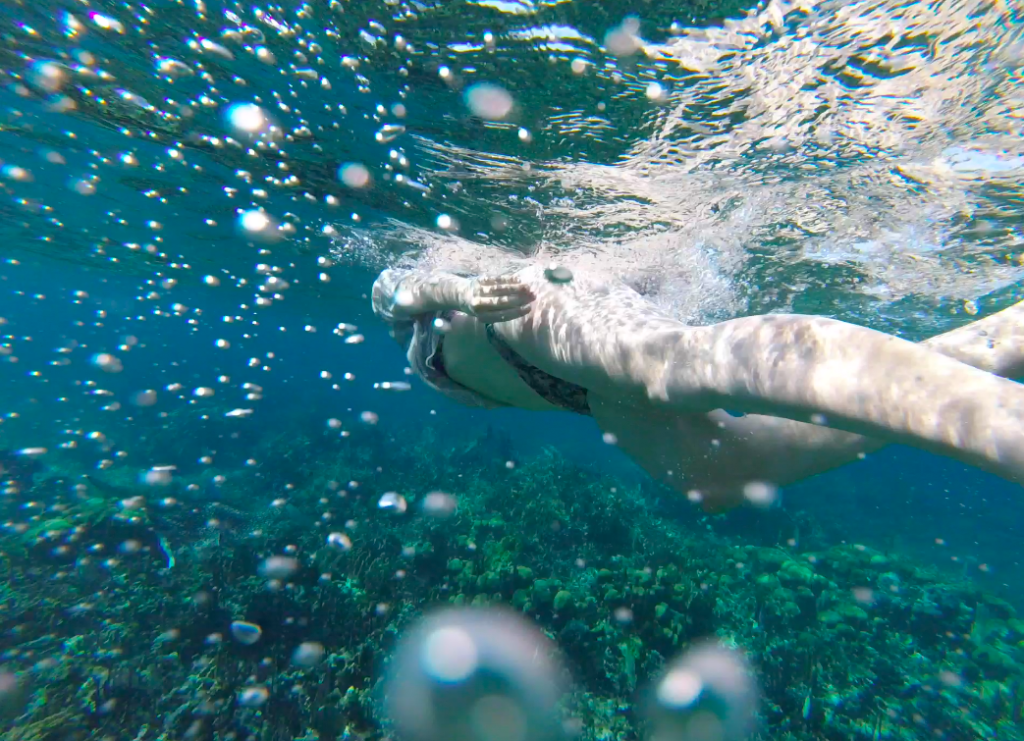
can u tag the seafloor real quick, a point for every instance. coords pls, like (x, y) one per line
(118, 596)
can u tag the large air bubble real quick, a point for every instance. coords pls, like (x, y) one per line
(707, 694)
(474, 675)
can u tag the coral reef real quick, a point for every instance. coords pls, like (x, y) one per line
(118, 598)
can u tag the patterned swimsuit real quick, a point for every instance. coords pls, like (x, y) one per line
(555, 391)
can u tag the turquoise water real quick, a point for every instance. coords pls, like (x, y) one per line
(196, 199)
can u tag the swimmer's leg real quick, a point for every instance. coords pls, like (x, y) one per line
(687, 452)
(845, 377)
(994, 344)
(711, 457)
(612, 342)
(783, 451)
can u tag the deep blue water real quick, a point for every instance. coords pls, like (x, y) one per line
(71, 209)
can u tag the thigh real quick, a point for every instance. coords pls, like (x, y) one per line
(711, 457)
(684, 451)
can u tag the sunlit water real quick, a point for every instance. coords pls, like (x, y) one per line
(197, 196)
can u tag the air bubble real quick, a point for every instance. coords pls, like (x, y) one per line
(339, 541)
(253, 697)
(308, 654)
(107, 363)
(389, 132)
(354, 175)
(707, 694)
(393, 501)
(489, 101)
(477, 675)
(279, 567)
(655, 91)
(246, 633)
(254, 221)
(761, 494)
(623, 40)
(438, 504)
